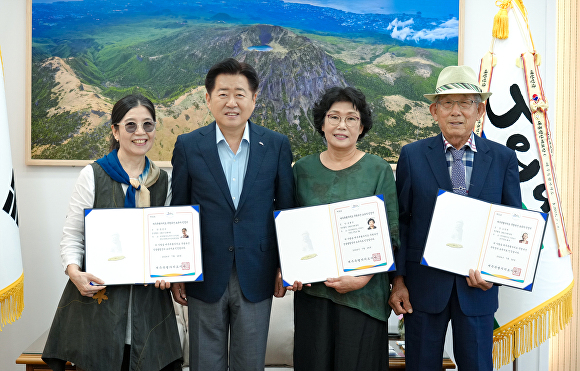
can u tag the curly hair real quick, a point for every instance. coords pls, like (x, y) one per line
(338, 94)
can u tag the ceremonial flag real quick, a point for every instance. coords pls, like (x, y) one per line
(11, 273)
(516, 116)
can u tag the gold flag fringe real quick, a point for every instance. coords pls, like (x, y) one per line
(12, 302)
(532, 328)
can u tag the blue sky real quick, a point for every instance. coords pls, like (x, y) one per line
(51, 1)
(428, 8)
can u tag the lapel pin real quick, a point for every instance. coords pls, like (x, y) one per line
(261, 143)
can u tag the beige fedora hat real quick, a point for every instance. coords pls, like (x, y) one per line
(457, 80)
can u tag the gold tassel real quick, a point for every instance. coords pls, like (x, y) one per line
(530, 329)
(500, 28)
(12, 302)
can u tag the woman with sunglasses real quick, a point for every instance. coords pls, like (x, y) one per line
(340, 324)
(122, 327)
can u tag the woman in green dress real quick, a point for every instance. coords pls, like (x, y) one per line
(341, 324)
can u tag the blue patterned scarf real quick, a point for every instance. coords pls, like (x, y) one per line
(110, 163)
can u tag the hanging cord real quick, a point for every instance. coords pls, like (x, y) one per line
(529, 41)
(524, 11)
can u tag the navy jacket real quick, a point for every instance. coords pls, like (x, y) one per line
(247, 235)
(421, 170)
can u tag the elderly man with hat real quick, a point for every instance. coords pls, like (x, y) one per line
(459, 161)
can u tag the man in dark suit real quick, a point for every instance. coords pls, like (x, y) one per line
(239, 173)
(459, 161)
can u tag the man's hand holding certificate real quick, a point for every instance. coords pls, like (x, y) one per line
(144, 244)
(343, 238)
(502, 242)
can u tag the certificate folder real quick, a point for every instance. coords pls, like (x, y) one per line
(502, 242)
(142, 245)
(343, 238)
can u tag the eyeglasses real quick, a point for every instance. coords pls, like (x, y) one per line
(463, 104)
(131, 127)
(350, 121)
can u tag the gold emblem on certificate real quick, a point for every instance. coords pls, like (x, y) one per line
(457, 235)
(115, 258)
(307, 247)
(116, 250)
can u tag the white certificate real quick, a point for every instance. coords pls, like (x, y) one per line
(142, 245)
(343, 238)
(502, 242)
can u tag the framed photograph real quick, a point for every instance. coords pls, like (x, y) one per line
(86, 55)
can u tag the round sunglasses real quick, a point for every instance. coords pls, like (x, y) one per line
(131, 127)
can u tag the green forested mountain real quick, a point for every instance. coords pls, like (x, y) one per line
(170, 61)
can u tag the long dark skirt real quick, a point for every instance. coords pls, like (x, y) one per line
(91, 333)
(333, 337)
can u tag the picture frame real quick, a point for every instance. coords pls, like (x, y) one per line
(73, 107)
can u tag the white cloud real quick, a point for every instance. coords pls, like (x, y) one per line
(396, 23)
(445, 30)
(453, 22)
(402, 34)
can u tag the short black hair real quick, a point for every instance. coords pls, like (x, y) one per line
(369, 221)
(338, 94)
(121, 108)
(230, 66)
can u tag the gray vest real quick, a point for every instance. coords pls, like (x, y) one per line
(92, 335)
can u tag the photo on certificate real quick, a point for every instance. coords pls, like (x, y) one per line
(143, 245)
(343, 238)
(502, 242)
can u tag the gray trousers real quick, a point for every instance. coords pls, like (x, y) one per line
(246, 323)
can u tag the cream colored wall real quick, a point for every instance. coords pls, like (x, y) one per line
(565, 347)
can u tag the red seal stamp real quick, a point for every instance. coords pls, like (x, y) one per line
(516, 271)
(185, 266)
(377, 257)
